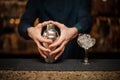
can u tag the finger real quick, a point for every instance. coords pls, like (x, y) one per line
(42, 53)
(59, 48)
(59, 54)
(41, 47)
(57, 42)
(57, 24)
(44, 40)
(45, 23)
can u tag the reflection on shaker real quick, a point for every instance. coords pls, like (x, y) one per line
(50, 33)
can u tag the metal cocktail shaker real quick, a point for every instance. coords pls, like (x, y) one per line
(50, 33)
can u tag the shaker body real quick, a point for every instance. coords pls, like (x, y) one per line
(50, 33)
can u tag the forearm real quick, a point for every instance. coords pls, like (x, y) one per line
(28, 18)
(74, 30)
(84, 18)
(84, 24)
(29, 31)
(22, 29)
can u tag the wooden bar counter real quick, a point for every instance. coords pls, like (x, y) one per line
(70, 69)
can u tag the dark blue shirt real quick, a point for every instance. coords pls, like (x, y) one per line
(72, 13)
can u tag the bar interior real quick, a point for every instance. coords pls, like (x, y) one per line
(13, 48)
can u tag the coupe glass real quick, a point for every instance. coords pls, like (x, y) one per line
(86, 42)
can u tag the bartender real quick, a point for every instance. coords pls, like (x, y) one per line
(70, 16)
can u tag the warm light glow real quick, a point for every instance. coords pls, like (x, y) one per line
(104, 0)
(17, 21)
(11, 21)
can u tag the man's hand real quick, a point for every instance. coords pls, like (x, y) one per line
(66, 35)
(35, 34)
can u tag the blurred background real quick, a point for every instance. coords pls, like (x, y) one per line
(106, 28)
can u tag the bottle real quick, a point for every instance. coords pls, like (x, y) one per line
(50, 33)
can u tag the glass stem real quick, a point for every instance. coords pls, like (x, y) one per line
(86, 57)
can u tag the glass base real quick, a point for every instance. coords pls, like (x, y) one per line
(86, 62)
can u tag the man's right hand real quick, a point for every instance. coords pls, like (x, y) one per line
(35, 34)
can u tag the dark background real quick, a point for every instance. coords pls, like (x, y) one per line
(106, 29)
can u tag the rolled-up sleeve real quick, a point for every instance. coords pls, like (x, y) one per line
(84, 18)
(27, 19)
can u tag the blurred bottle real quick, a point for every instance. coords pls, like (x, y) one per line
(50, 33)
